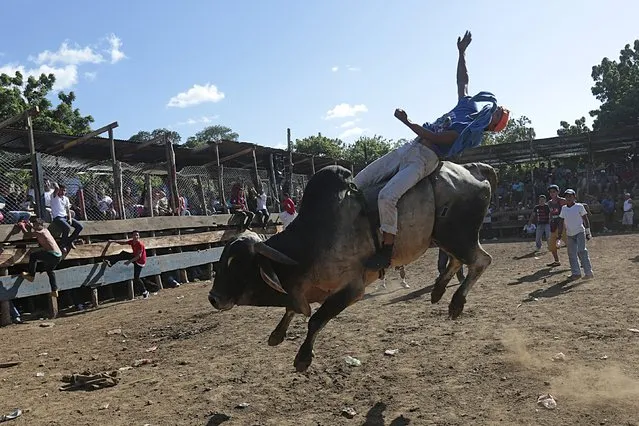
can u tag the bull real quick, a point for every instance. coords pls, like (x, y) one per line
(319, 257)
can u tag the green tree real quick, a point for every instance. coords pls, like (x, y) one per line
(17, 96)
(321, 146)
(367, 149)
(518, 129)
(211, 134)
(617, 87)
(567, 129)
(144, 136)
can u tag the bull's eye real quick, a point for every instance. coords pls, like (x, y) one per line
(229, 261)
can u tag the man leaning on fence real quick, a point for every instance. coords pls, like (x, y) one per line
(61, 214)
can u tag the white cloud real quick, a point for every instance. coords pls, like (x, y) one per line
(68, 55)
(65, 77)
(345, 110)
(196, 95)
(347, 68)
(116, 43)
(351, 68)
(335, 69)
(198, 120)
(350, 133)
(348, 124)
(90, 75)
(1, 54)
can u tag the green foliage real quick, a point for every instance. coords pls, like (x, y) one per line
(17, 96)
(518, 129)
(211, 134)
(320, 146)
(144, 136)
(617, 87)
(567, 129)
(367, 149)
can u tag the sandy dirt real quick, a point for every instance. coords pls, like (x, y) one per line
(488, 367)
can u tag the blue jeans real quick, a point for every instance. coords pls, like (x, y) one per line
(577, 252)
(66, 226)
(543, 229)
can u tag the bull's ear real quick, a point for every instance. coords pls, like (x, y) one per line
(268, 274)
(273, 254)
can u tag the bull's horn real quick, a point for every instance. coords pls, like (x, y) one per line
(273, 254)
(269, 276)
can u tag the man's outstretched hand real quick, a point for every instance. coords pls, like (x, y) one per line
(401, 115)
(462, 43)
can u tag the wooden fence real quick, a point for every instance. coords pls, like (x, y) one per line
(188, 241)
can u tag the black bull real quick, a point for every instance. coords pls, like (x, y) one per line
(319, 257)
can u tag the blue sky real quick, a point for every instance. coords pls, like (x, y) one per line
(336, 67)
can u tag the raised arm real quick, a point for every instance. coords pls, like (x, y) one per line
(426, 136)
(462, 72)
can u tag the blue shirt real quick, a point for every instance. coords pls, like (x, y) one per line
(458, 119)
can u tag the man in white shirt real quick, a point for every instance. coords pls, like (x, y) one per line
(573, 218)
(61, 214)
(628, 212)
(261, 209)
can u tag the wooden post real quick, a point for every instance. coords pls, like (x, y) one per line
(149, 199)
(200, 185)
(313, 164)
(290, 162)
(183, 276)
(5, 305)
(95, 301)
(174, 199)
(220, 180)
(82, 204)
(36, 170)
(117, 178)
(258, 183)
(276, 192)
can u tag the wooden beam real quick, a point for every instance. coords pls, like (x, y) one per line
(237, 154)
(143, 145)
(66, 145)
(23, 115)
(220, 179)
(202, 193)
(98, 274)
(9, 233)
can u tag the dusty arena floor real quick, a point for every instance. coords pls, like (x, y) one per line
(488, 367)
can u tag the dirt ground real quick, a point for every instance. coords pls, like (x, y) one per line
(488, 367)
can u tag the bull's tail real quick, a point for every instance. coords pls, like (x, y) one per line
(486, 171)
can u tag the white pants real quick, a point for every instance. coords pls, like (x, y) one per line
(407, 165)
(286, 218)
(628, 217)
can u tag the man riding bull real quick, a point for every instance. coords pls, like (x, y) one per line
(461, 128)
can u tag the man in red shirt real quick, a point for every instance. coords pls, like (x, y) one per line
(289, 212)
(138, 259)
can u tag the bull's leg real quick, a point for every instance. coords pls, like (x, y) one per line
(442, 281)
(475, 270)
(278, 335)
(331, 307)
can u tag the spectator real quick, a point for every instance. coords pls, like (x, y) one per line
(239, 207)
(540, 216)
(575, 224)
(289, 213)
(260, 209)
(608, 205)
(61, 213)
(628, 212)
(162, 204)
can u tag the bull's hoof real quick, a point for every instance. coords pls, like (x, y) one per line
(437, 294)
(303, 360)
(276, 338)
(456, 306)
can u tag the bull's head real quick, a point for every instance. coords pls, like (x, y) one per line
(245, 275)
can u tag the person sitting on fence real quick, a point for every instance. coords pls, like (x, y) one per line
(63, 218)
(260, 208)
(50, 255)
(289, 213)
(461, 128)
(138, 258)
(240, 208)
